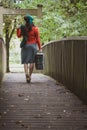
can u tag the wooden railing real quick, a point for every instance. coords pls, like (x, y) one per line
(66, 61)
(2, 59)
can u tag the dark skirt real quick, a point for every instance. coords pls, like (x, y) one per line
(28, 53)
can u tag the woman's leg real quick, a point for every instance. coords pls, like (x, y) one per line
(26, 72)
(31, 68)
(26, 69)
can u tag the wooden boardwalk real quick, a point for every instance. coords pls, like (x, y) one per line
(41, 105)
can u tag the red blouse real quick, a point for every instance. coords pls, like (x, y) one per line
(33, 36)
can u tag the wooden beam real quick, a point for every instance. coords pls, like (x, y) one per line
(6, 11)
(19, 11)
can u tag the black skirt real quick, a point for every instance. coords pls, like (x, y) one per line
(28, 53)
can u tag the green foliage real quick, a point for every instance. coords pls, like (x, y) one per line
(8, 3)
(61, 18)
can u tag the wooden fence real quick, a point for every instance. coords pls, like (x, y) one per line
(66, 61)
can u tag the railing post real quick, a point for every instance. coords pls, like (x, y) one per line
(39, 11)
(1, 20)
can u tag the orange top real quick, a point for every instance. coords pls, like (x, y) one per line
(33, 36)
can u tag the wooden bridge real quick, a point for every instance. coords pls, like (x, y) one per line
(57, 96)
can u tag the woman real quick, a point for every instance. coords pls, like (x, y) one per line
(29, 50)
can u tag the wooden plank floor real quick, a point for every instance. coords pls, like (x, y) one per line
(41, 105)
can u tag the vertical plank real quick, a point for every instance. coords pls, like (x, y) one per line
(79, 66)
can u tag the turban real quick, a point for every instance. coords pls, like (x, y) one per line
(28, 18)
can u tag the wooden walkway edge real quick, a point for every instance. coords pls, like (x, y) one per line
(41, 105)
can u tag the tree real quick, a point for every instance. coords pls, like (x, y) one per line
(61, 18)
(9, 31)
(7, 3)
(10, 25)
(8, 28)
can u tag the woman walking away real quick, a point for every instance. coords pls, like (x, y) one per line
(29, 45)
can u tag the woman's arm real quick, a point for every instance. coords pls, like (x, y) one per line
(38, 37)
(19, 32)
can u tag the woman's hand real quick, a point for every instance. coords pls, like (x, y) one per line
(40, 50)
(18, 26)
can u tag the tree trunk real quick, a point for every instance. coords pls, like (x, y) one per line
(7, 49)
(8, 36)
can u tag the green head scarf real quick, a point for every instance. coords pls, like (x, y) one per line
(28, 18)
